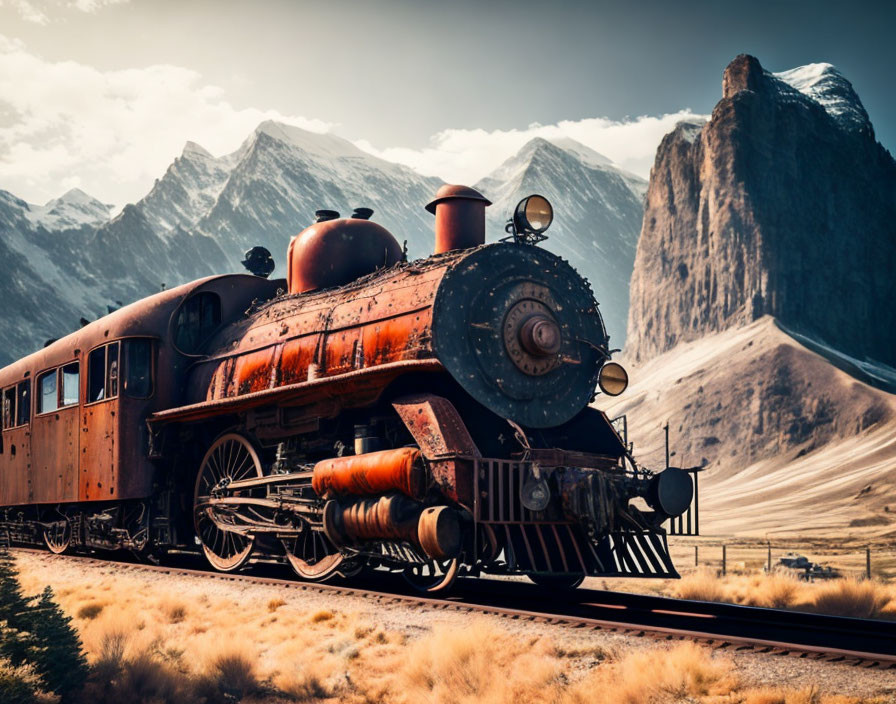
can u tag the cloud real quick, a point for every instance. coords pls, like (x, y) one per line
(94, 5)
(111, 133)
(465, 156)
(28, 11)
(39, 11)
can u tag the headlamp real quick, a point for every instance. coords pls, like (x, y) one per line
(612, 379)
(533, 214)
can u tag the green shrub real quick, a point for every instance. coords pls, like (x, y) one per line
(35, 633)
(18, 685)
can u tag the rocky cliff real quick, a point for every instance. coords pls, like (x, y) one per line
(782, 204)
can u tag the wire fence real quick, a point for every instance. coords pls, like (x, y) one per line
(810, 563)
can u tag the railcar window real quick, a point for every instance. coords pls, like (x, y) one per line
(96, 375)
(71, 375)
(23, 402)
(9, 407)
(48, 399)
(112, 369)
(197, 320)
(138, 368)
(102, 373)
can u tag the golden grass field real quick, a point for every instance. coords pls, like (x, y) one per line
(746, 580)
(153, 642)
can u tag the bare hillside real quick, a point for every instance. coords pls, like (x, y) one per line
(790, 443)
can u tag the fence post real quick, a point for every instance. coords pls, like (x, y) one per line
(696, 557)
(768, 567)
(868, 562)
(724, 560)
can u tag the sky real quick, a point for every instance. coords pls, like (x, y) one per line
(103, 94)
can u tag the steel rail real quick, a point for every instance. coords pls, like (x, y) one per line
(866, 643)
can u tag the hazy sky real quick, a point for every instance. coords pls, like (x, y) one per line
(102, 94)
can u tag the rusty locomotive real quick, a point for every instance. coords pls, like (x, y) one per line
(428, 417)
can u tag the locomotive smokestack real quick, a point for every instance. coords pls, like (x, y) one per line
(460, 217)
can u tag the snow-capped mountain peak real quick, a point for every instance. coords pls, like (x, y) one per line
(324, 145)
(825, 85)
(187, 190)
(585, 154)
(72, 209)
(192, 149)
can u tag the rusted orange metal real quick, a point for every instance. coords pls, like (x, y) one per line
(380, 472)
(439, 532)
(392, 517)
(336, 252)
(435, 529)
(460, 217)
(444, 441)
(354, 334)
(359, 388)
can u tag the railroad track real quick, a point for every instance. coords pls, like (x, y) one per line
(859, 642)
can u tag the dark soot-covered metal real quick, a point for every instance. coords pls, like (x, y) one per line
(469, 315)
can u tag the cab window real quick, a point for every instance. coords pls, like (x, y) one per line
(48, 397)
(197, 320)
(71, 376)
(9, 407)
(102, 373)
(23, 402)
(137, 356)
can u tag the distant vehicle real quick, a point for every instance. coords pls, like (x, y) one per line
(425, 417)
(806, 570)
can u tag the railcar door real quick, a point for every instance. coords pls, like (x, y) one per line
(99, 425)
(15, 443)
(55, 431)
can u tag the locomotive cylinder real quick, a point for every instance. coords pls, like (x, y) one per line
(372, 473)
(435, 529)
(460, 218)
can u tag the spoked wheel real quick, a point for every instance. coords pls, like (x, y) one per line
(58, 536)
(560, 582)
(433, 576)
(230, 458)
(313, 556)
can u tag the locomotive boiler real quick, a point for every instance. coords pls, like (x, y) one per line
(428, 417)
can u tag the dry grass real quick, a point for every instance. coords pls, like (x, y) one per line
(154, 645)
(232, 672)
(859, 599)
(782, 590)
(454, 665)
(175, 610)
(686, 672)
(90, 611)
(319, 616)
(702, 585)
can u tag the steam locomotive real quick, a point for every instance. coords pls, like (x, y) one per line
(429, 417)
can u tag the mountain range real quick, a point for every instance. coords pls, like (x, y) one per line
(204, 212)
